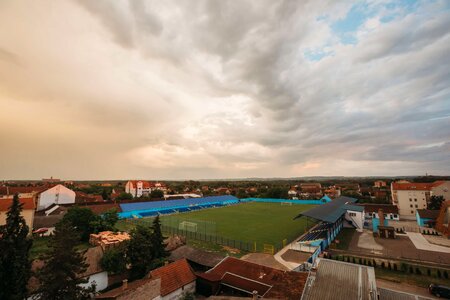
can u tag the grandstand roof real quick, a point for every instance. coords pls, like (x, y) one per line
(329, 212)
(174, 203)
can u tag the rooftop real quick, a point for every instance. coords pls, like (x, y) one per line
(198, 256)
(248, 277)
(340, 280)
(428, 214)
(329, 212)
(174, 276)
(373, 207)
(28, 203)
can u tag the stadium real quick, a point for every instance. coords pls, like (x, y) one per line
(250, 224)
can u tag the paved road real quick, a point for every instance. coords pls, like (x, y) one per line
(403, 287)
(422, 244)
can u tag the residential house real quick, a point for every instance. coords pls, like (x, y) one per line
(139, 188)
(379, 184)
(177, 278)
(443, 219)
(58, 194)
(143, 289)
(409, 197)
(28, 209)
(426, 217)
(441, 188)
(235, 277)
(198, 259)
(371, 211)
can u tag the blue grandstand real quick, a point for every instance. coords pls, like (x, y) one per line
(149, 209)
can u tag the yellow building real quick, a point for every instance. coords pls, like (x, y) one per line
(27, 210)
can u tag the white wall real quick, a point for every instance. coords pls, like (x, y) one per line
(357, 217)
(442, 190)
(100, 279)
(404, 202)
(188, 288)
(58, 194)
(389, 216)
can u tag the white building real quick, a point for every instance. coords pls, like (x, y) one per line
(441, 188)
(355, 215)
(58, 194)
(139, 188)
(411, 196)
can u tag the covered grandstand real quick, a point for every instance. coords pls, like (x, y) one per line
(331, 217)
(155, 208)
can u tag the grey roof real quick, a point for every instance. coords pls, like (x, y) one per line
(198, 256)
(386, 294)
(340, 280)
(329, 212)
(354, 207)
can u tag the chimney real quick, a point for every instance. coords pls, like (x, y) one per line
(124, 284)
(381, 217)
(255, 295)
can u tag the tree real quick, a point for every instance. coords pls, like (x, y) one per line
(60, 275)
(105, 194)
(113, 261)
(83, 219)
(124, 196)
(110, 218)
(159, 247)
(15, 267)
(277, 193)
(140, 251)
(435, 202)
(156, 194)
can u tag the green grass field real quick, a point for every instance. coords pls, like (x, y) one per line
(268, 223)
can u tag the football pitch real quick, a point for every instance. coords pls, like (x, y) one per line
(254, 222)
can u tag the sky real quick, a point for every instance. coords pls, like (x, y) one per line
(223, 89)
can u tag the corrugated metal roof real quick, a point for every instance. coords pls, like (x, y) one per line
(339, 280)
(175, 203)
(329, 212)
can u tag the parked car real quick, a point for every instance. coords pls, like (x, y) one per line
(440, 290)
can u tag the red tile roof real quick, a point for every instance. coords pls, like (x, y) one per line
(147, 184)
(249, 276)
(415, 186)
(174, 276)
(28, 203)
(373, 207)
(99, 209)
(11, 190)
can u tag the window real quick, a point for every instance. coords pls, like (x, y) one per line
(410, 205)
(412, 212)
(416, 206)
(415, 199)
(410, 199)
(352, 214)
(395, 216)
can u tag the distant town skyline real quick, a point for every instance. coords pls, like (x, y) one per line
(93, 90)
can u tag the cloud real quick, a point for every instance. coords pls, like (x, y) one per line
(224, 89)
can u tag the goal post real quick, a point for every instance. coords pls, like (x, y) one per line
(269, 249)
(188, 226)
(286, 203)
